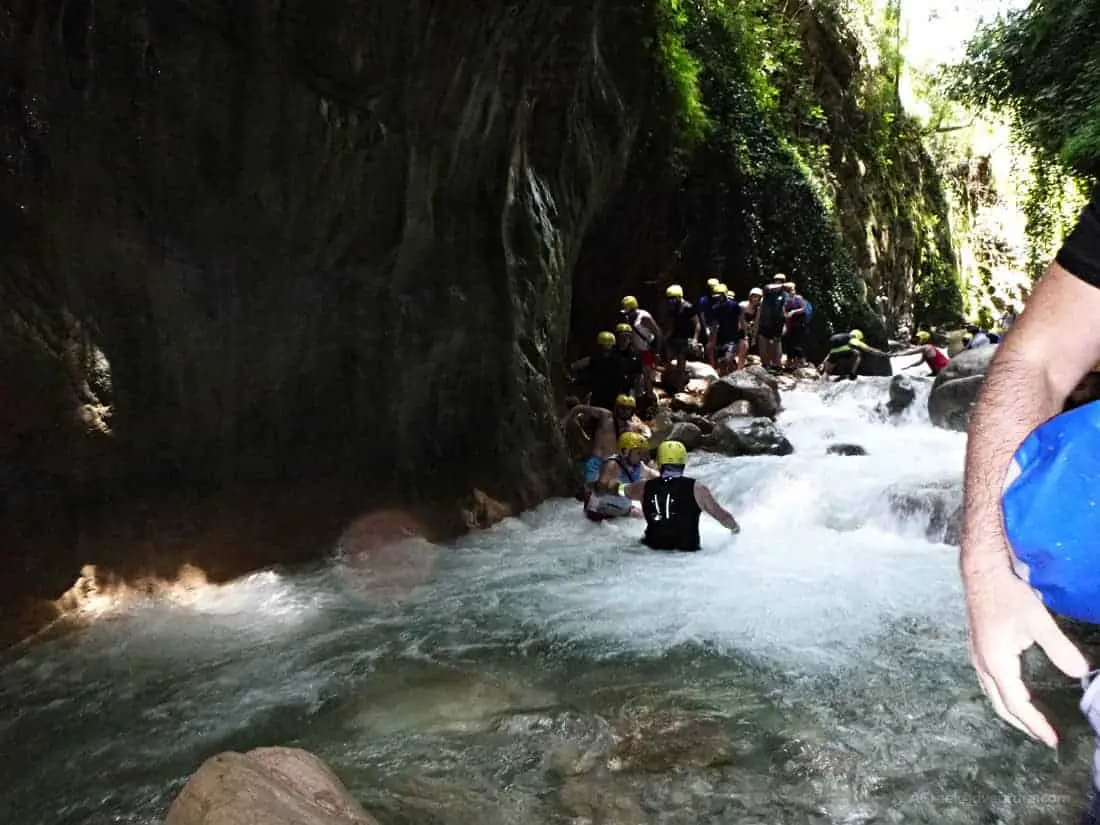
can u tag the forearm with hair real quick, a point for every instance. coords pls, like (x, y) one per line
(1016, 397)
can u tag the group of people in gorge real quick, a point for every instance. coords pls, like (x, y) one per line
(772, 323)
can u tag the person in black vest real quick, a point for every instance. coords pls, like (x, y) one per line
(672, 503)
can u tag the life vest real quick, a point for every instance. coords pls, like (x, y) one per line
(627, 473)
(841, 342)
(938, 360)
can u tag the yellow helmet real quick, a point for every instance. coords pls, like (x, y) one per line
(625, 401)
(712, 282)
(672, 452)
(721, 289)
(923, 337)
(630, 302)
(623, 328)
(606, 339)
(632, 441)
(857, 334)
(716, 288)
(674, 291)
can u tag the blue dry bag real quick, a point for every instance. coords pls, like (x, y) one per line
(1052, 512)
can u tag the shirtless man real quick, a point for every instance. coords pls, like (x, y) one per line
(609, 425)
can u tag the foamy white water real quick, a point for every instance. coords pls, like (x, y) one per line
(829, 633)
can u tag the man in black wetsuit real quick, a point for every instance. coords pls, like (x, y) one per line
(680, 327)
(673, 502)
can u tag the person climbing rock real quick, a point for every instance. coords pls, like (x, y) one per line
(930, 355)
(1030, 550)
(846, 351)
(709, 306)
(605, 373)
(681, 327)
(731, 340)
(770, 323)
(796, 329)
(627, 465)
(673, 502)
(647, 336)
(607, 426)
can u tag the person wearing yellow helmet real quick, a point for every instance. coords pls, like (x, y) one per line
(626, 465)
(647, 336)
(606, 426)
(750, 314)
(846, 350)
(930, 355)
(730, 340)
(680, 326)
(608, 372)
(707, 305)
(673, 502)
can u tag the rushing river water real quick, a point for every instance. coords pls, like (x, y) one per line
(821, 653)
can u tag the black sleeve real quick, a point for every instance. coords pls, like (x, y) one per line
(1080, 254)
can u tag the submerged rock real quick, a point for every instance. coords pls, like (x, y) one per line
(665, 740)
(902, 392)
(956, 388)
(845, 449)
(752, 385)
(266, 786)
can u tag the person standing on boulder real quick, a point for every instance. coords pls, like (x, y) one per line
(750, 312)
(673, 503)
(1030, 518)
(796, 330)
(731, 343)
(770, 323)
(681, 327)
(647, 336)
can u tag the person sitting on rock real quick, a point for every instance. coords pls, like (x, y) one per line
(673, 502)
(647, 336)
(846, 351)
(931, 355)
(680, 327)
(607, 426)
(604, 501)
(731, 341)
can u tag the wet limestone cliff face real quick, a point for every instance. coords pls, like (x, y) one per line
(310, 239)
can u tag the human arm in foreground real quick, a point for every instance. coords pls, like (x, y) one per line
(1051, 346)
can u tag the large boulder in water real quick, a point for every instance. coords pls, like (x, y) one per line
(266, 786)
(956, 388)
(902, 393)
(747, 436)
(872, 364)
(744, 385)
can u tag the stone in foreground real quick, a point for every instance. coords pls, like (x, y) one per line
(266, 786)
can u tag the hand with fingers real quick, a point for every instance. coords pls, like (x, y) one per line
(1006, 617)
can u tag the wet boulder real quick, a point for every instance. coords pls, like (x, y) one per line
(744, 385)
(699, 370)
(874, 364)
(272, 786)
(747, 436)
(956, 388)
(738, 409)
(902, 392)
(687, 433)
(665, 740)
(686, 402)
(845, 449)
(937, 505)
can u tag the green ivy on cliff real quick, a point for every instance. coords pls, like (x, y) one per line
(1039, 68)
(834, 188)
